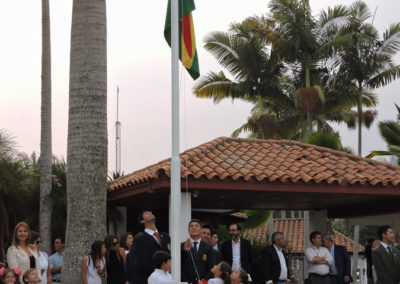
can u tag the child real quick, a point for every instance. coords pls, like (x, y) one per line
(10, 276)
(222, 273)
(31, 276)
(162, 263)
(239, 276)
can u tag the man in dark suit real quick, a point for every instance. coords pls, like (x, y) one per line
(206, 234)
(340, 268)
(197, 256)
(385, 258)
(144, 246)
(274, 262)
(237, 252)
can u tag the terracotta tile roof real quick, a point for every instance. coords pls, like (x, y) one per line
(270, 161)
(293, 230)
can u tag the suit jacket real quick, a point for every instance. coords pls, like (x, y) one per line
(141, 260)
(245, 253)
(204, 259)
(271, 264)
(342, 263)
(387, 270)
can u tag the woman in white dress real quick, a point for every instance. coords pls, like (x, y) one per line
(222, 273)
(93, 265)
(44, 264)
(21, 253)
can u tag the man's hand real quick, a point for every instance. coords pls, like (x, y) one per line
(188, 245)
(347, 279)
(287, 281)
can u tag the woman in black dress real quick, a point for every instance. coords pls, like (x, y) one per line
(115, 260)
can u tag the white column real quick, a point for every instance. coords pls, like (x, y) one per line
(185, 213)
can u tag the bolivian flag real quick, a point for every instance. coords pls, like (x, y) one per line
(187, 47)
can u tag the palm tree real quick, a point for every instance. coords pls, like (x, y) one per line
(364, 60)
(87, 134)
(390, 131)
(45, 135)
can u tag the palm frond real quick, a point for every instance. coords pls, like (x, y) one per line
(385, 77)
(378, 153)
(391, 40)
(333, 18)
(390, 130)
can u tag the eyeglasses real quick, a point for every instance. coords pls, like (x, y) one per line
(38, 242)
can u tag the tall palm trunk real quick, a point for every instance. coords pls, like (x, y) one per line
(45, 133)
(308, 85)
(360, 119)
(87, 135)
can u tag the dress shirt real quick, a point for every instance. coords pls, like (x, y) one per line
(235, 255)
(321, 269)
(151, 233)
(160, 276)
(215, 247)
(56, 259)
(215, 281)
(332, 268)
(283, 275)
(198, 243)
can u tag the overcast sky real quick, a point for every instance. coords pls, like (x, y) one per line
(139, 62)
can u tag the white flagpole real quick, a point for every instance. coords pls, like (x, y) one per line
(175, 160)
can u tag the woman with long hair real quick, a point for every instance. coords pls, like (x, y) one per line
(222, 273)
(43, 259)
(10, 276)
(126, 242)
(21, 253)
(93, 265)
(115, 260)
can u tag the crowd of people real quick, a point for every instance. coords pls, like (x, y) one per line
(145, 258)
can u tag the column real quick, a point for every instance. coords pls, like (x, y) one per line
(186, 214)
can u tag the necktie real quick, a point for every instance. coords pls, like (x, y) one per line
(389, 248)
(195, 246)
(158, 238)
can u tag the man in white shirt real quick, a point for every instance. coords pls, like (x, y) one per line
(274, 263)
(162, 264)
(319, 260)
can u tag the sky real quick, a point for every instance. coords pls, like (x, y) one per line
(139, 63)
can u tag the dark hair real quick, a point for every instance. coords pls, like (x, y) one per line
(140, 217)
(195, 221)
(226, 271)
(95, 251)
(275, 236)
(207, 226)
(8, 270)
(244, 278)
(160, 257)
(239, 228)
(60, 238)
(314, 234)
(383, 230)
(34, 236)
(122, 240)
(109, 243)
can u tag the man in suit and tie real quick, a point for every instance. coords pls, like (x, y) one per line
(385, 258)
(237, 252)
(397, 241)
(144, 246)
(340, 268)
(274, 262)
(197, 256)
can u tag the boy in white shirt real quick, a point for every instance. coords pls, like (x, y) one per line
(162, 263)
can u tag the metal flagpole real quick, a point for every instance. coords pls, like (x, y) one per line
(175, 160)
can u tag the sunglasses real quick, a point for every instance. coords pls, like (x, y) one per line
(38, 242)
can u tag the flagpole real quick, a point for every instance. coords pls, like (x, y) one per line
(175, 160)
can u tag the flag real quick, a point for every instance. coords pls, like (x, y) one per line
(187, 46)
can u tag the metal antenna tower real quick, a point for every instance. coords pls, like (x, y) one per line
(117, 139)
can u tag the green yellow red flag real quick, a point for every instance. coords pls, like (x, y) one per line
(187, 46)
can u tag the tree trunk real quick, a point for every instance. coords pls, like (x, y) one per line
(360, 118)
(87, 135)
(45, 133)
(308, 85)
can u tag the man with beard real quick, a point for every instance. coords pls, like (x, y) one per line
(144, 246)
(237, 252)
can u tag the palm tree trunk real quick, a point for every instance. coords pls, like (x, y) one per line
(308, 85)
(45, 134)
(359, 114)
(87, 135)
